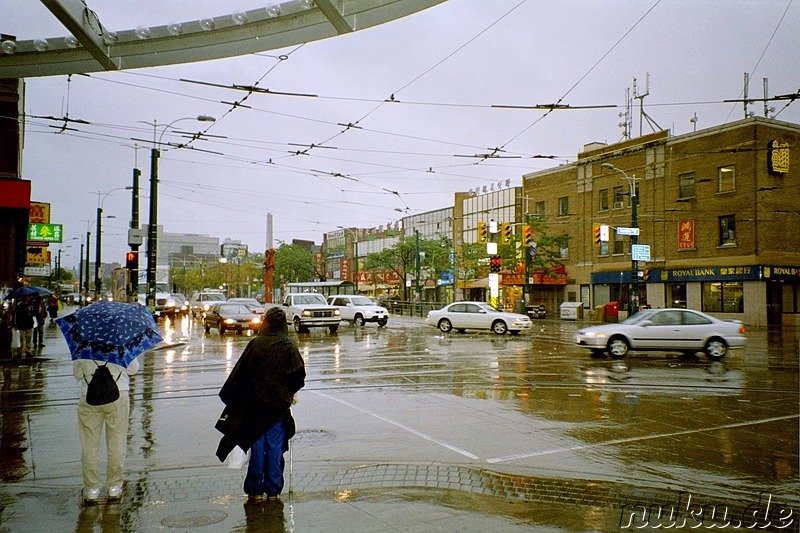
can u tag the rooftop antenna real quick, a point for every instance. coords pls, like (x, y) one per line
(642, 115)
(626, 116)
(693, 120)
(746, 99)
(767, 108)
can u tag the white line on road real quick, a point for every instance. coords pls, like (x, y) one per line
(399, 425)
(636, 439)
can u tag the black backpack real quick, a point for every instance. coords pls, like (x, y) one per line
(102, 388)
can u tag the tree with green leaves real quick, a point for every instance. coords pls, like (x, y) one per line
(293, 263)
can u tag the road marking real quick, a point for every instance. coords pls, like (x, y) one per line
(626, 440)
(400, 425)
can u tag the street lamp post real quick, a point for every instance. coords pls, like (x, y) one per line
(152, 230)
(634, 301)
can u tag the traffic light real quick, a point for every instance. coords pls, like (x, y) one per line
(483, 232)
(596, 233)
(505, 232)
(600, 233)
(526, 236)
(132, 261)
(496, 263)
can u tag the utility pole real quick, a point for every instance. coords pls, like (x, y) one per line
(98, 282)
(416, 266)
(134, 273)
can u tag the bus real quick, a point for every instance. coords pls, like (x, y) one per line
(325, 288)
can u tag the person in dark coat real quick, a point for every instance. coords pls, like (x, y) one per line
(258, 397)
(40, 312)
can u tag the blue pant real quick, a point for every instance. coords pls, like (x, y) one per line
(265, 469)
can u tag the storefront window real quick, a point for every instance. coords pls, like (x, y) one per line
(677, 295)
(721, 297)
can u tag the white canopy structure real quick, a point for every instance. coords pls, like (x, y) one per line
(90, 47)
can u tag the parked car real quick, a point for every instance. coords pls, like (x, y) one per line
(181, 303)
(477, 315)
(231, 316)
(202, 300)
(681, 330)
(309, 309)
(359, 309)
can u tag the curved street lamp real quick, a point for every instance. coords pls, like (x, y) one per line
(634, 303)
(152, 230)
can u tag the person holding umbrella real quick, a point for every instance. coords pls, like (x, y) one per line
(258, 396)
(110, 334)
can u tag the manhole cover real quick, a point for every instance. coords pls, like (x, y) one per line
(314, 437)
(194, 519)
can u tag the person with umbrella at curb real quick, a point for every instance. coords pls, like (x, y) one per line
(106, 336)
(258, 396)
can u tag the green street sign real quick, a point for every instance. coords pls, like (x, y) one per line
(45, 232)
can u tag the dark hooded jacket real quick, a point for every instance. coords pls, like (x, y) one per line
(259, 391)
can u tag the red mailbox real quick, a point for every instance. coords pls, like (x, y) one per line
(612, 312)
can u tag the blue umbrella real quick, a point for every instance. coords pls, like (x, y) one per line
(28, 290)
(115, 332)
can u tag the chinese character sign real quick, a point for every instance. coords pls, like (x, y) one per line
(686, 234)
(44, 232)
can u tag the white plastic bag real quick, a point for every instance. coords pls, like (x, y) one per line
(16, 342)
(237, 458)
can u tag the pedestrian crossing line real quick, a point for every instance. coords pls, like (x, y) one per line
(627, 440)
(399, 425)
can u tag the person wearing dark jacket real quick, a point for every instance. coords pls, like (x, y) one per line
(258, 397)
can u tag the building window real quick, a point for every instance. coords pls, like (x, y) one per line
(723, 297)
(686, 185)
(727, 230)
(603, 248)
(603, 200)
(538, 209)
(563, 247)
(727, 179)
(619, 197)
(563, 206)
(619, 244)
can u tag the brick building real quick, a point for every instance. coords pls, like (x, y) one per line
(719, 209)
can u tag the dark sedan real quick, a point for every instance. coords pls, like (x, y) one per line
(231, 317)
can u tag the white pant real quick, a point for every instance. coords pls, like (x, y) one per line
(91, 419)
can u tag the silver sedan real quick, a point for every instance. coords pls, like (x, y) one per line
(682, 330)
(477, 315)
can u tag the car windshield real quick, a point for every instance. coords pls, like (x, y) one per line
(362, 300)
(305, 299)
(638, 317)
(213, 297)
(234, 309)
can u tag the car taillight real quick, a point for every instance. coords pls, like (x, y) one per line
(742, 330)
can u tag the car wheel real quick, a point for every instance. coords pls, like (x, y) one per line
(445, 326)
(358, 320)
(333, 329)
(382, 322)
(618, 347)
(499, 327)
(221, 329)
(208, 328)
(298, 327)
(715, 349)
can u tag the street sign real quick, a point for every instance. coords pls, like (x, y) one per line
(41, 271)
(627, 231)
(640, 252)
(44, 232)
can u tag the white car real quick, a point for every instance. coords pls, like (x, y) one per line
(359, 309)
(477, 315)
(309, 309)
(681, 330)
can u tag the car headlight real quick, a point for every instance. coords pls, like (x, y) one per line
(205, 307)
(336, 312)
(171, 303)
(229, 321)
(255, 320)
(306, 313)
(593, 334)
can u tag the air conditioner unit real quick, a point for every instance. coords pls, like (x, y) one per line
(619, 205)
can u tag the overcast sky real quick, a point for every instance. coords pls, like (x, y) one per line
(446, 67)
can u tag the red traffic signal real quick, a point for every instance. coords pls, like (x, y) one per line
(495, 263)
(526, 235)
(132, 261)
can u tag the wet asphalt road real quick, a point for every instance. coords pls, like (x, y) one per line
(532, 405)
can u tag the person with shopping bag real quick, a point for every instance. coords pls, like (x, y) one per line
(258, 396)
